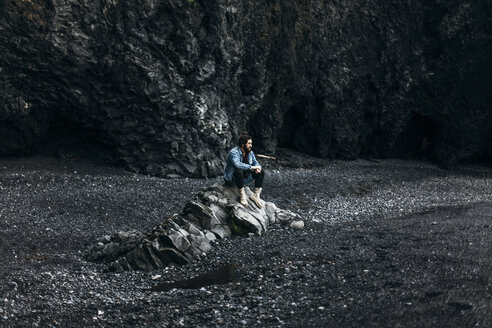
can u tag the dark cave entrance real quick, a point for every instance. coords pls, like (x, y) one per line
(296, 135)
(417, 141)
(293, 119)
(66, 138)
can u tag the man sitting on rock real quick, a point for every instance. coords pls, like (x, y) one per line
(242, 167)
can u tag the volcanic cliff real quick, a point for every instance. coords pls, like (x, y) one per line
(165, 87)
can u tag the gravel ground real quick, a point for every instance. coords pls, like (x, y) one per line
(386, 243)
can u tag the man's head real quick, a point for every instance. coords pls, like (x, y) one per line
(245, 142)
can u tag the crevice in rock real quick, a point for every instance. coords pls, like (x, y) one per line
(293, 120)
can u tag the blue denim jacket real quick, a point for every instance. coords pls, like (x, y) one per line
(234, 160)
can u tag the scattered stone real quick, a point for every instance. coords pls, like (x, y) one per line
(298, 224)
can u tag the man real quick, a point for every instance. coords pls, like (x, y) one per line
(242, 168)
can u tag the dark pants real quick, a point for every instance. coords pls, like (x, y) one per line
(239, 178)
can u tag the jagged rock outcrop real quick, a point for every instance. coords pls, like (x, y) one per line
(183, 238)
(165, 87)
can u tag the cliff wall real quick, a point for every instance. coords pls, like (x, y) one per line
(165, 87)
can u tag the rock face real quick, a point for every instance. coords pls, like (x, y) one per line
(185, 237)
(165, 87)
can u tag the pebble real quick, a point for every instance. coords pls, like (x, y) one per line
(298, 225)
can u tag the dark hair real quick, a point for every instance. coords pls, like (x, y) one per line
(243, 140)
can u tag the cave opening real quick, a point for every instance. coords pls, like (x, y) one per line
(417, 141)
(66, 138)
(295, 134)
(293, 118)
(484, 156)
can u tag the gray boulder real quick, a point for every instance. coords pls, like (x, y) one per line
(214, 214)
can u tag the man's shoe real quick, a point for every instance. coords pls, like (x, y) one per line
(255, 197)
(242, 197)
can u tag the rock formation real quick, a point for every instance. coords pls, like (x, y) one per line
(165, 87)
(183, 238)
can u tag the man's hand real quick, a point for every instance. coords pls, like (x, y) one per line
(256, 169)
